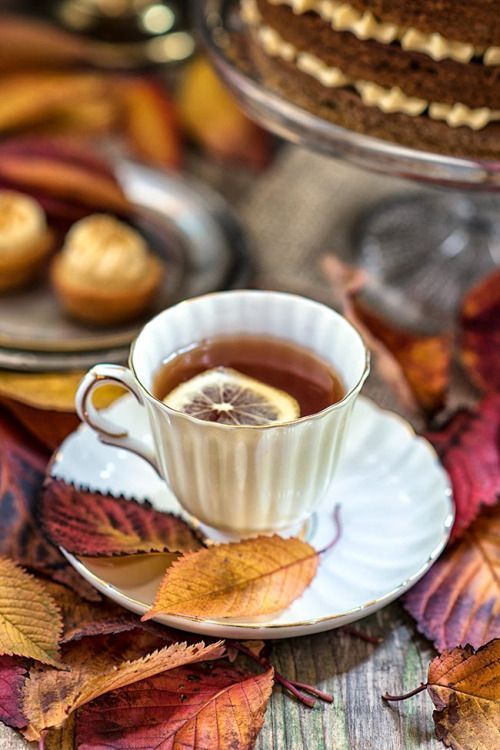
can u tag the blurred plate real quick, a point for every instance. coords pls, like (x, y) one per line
(187, 224)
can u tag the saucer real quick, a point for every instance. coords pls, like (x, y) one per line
(396, 514)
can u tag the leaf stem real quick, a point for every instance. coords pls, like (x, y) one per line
(356, 633)
(292, 686)
(338, 531)
(41, 743)
(419, 689)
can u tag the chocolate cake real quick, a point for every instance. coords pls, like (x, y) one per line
(421, 73)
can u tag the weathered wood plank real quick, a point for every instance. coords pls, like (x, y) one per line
(356, 673)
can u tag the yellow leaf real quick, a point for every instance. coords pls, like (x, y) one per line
(30, 621)
(51, 696)
(52, 391)
(252, 577)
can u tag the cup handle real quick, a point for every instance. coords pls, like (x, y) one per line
(109, 432)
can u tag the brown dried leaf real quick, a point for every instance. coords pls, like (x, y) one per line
(82, 619)
(465, 687)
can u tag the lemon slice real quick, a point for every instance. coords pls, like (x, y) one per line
(226, 396)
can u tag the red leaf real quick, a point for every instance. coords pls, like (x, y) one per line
(458, 601)
(189, 708)
(12, 676)
(469, 449)
(480, 336)
(89, 523)
(22, 463)
(50, 427)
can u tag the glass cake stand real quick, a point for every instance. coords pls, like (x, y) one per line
(434, 242)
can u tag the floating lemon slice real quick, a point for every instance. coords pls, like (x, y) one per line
(226, 396)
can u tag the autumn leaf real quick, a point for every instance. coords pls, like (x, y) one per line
(90, 523)
(82, 619)
(22, 465)
(480, 333)
(414, 365)
(30, 622)
(12, 676)
(51, 696)
(458, 601)
(213, 119)
(188, 707)
(28, 98)
(251, 577)
(464, 686)
(51, 391)
(469, 450)
(50, 428)
(150, 122)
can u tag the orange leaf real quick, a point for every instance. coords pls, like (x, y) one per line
(150, 123)
(458, 601)
(188, 708)
(213, 119)
(30, 621)
(464, 685)
(50, 696)
(416, 366)
(252, 577)
(480, 334)
(465, 688)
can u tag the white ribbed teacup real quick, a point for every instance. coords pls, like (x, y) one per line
(240, 480)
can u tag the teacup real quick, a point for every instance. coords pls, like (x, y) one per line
(241, 480)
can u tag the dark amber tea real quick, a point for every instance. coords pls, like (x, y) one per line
(247, 379)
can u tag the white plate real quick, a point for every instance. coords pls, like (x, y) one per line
(396, 511)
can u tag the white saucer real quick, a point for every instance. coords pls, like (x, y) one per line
(396, 512)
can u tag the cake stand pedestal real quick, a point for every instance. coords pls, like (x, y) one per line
(436, 242)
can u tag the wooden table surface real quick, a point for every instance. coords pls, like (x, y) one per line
(299, 208)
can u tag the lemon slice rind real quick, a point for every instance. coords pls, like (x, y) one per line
(285, 408)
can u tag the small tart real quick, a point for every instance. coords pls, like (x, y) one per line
(105, 273)
(25, 240)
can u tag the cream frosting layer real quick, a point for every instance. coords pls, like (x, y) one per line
(22, 222)
(104, 251)
(389, 100)
(365, 25)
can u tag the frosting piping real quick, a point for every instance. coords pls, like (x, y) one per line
(388, 100)
(364, 25)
